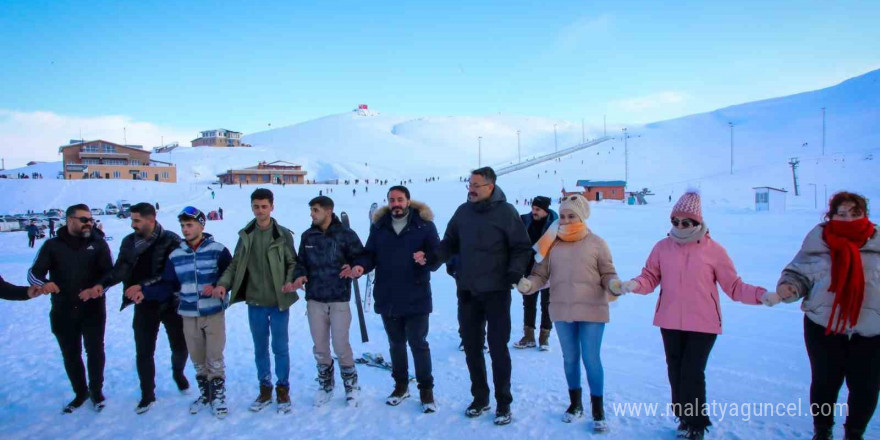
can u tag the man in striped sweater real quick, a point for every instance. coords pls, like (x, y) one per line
(194, 270)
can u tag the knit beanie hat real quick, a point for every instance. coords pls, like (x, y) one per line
(578, 204)
(542, 202)
(689, 206)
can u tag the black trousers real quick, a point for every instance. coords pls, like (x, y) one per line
(479, 316)
(147, 317)
(833, 359)
(412, 329)
(686, 356)
(75, 327)
(31, 240)
(530, 310)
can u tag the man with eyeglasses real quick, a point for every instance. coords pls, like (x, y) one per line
(74, 260)
(493, 251)
(143, 255)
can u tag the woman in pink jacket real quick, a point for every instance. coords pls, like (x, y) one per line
(688, 265)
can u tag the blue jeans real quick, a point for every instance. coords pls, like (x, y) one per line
(582, 339)
(263, 321)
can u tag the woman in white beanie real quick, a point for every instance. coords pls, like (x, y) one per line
(582, 270)
(688, 266)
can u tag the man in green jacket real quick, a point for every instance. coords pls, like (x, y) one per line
(261, 275)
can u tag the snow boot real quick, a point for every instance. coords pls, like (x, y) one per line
(476, 409)
(282, 396)
(350, 381)
(682, 430)
(74, 404)
(598, 407)
(205, 398)
(427, 398)
(263, 400)
(695, 433)
(853, 434)
(180, 381)
(544, 340)
(218, 397)
(576, 408)
(98, 400)
(325, 384)
(528, 339)
(145, 404)
(400, 393)
(503, 416)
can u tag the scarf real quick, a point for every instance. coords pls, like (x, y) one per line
(569, 232)
(142, 244)
(847, 274)
(684, 236)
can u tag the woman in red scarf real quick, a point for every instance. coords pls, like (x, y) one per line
(837, 273)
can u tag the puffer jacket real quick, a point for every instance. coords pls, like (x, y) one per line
(153, 258)
(403, 287)
(321, 257)
(810, 273)
(579, 273)
(688, 276)
(189, 271)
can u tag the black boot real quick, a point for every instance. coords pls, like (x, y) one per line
(576, 408)
(180, 381)
(695, 433)
(598, 406)
(75, 403)
(400, 392)
(204, 399)
(853, 434)
(427, 398)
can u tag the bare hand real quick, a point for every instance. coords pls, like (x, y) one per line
(786, 291)
(346, 271)
(92, 293)
(300, 282)
(357, 271)
(50, 287)
(219, 292)
(419, 258)
(34, 291)
(208, 290)
(135, 293)
(288, 287)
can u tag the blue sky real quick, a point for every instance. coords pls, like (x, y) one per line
(242, 65)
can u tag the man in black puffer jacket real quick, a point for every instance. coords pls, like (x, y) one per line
(142, 259)
(327, 251)
(403, 287)
(75, 260)
(493, 252)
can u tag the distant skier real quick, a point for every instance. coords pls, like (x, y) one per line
(353, 191)
(212, 196)
(220, 211)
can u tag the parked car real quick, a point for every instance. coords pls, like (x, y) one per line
(125, 213)
(111, 209)
(55, 213)
(9, 225)
(97, 211)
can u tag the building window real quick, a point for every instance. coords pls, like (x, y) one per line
(116, 175)
(109, 148)
(166, 175)
(143, 174)
(134, 162)
(90, 149)
(91, 162)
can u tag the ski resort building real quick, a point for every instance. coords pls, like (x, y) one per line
(100, 159)
(601, 190)
(769, 199)
(278, 172)
(219, 138)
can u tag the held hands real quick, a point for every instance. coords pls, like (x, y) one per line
(34, 291)
(299, 282)
(786, 291)
(208, 290)
(351, 272)
(50, 287)
(94, 292)
(218, 292)
(134, 293)
(419, 258)
(619, 288)
(288, 287)
(524, 286)
(770, 299)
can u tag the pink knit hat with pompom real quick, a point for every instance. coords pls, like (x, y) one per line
(689, 206)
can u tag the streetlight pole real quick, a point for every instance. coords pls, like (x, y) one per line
(731, 147)
(555, 139)
(518, 150)
(479, 152)
(815, 196)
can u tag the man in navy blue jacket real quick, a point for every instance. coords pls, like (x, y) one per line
(403, 287)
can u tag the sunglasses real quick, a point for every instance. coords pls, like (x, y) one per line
(687, 223)
(84, 219)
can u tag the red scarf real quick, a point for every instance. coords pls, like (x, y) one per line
(847, 275)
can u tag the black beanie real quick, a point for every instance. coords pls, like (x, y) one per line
(542, 202)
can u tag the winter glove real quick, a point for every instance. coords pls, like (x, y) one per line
(770, 299)
(625, 287)
(524, 286)
(616, 287)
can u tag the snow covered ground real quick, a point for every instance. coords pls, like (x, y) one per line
(760, 358)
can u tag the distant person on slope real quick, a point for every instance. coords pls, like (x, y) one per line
(74, 261)
(493, 252)
(260, 274)
(537, 222)
(401, 234)
(578, 265)
(836, 274)
(688, 265)
(143, 256)
(327, 251)
(32, 231)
